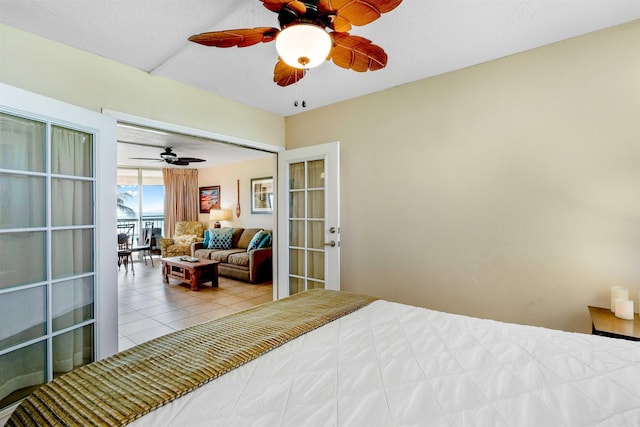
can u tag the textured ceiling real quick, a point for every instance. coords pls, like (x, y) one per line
(421, 37)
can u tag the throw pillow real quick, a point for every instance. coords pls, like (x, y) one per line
(185, 240)
(220, 238)
(253, 244)
(265, 242)
(207, 237)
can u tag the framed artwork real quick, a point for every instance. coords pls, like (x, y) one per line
(209, 198)
(262, 195)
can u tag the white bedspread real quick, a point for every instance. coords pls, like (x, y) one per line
(390, 364)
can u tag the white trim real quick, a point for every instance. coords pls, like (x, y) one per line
(184, 130)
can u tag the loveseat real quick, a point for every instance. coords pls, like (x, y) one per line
(186, 232)
(244, 253)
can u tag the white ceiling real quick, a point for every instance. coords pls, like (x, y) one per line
(135, 142)
(422, 38)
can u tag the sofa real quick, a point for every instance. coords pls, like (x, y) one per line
(186, 232)
(244, 253)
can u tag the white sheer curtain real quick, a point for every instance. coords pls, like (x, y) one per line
(22, 260)
(180, 197)
(23, 311)
(71, 250)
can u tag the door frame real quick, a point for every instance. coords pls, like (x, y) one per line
(227, 139)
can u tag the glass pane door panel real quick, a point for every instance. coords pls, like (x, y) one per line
(72, 350)
(22, 144)
(72, 202)
(296, 285)
(316, 234)
(316, 204)
(296, 205)
(296, 236)
(22, 201)
(71, 252)
(22, 258)
(296, 176)
(311, 284)
(316, 174)
(21, 370)
(316, 265)
(296, 262)
(72, 302)
(22, 316)
(71, 152)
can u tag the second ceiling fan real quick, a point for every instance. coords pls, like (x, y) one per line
(302, 21)
(168, 156)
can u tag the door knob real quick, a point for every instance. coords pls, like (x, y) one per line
(331, 243)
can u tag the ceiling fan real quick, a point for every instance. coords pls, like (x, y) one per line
(171, 158)
(303, 42)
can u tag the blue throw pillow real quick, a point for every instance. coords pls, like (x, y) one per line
(253, 244)
(265, 242)
(220, 238)
(207, 238)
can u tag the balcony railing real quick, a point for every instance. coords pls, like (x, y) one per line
(154, 222)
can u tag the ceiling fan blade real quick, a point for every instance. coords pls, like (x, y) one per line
(179, 162)
(241, 38)
(355, 12)
(357, 53)
(189, 159)
(277, 5)
(285, 75)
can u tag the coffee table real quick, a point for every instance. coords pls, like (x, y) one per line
(191, 273)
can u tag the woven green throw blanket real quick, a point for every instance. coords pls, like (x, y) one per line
(121, 388)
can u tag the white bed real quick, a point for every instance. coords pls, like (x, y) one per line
(384, 364)
(389, 364)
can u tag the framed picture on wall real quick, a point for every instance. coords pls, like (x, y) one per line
(209, 198)
(262, 195)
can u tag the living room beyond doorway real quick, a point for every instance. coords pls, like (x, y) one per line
(149, 308)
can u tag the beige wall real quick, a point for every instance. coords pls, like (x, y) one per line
(58, 71)
(226, 177)
(508, 190)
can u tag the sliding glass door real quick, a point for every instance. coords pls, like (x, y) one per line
(141, 202)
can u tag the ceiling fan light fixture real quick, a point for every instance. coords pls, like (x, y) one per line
(303, 45)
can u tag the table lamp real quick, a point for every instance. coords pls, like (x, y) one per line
(218, 215)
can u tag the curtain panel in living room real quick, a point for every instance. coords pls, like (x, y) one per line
(180, 197)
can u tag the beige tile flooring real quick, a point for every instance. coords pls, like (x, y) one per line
(149, 308)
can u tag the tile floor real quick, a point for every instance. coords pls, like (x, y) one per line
(149, 308)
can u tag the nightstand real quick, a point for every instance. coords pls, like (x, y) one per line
(604, 322)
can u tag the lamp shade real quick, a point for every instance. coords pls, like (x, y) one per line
(303, 45)
(219, 214)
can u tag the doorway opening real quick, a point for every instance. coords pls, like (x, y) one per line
(225, 164)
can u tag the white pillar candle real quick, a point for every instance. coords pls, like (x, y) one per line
(624, 309)
(618, 292)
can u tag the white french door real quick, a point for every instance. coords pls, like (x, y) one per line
(58, 305)
(308, 219)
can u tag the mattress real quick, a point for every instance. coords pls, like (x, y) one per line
(390, 364)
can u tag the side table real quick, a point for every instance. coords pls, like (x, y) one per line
(605, 323)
